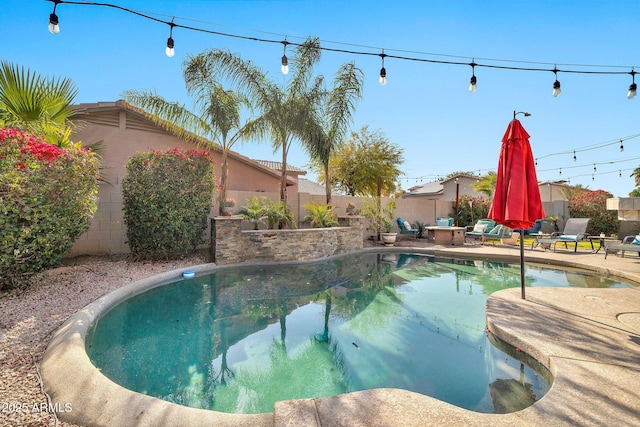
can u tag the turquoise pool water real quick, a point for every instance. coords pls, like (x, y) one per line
(239, 339)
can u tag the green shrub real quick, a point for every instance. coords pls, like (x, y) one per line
(320, 216)
(471, 209)
(167, 198)
(254, 210)
(278, 214)
(47, 199)
(593, 204)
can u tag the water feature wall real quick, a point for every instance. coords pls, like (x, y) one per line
(230, 244)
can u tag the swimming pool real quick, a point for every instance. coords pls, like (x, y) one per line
(241, 338)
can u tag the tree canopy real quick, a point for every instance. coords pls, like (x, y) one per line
(366, 157)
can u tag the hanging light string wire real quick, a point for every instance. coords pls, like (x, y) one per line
(474, 60)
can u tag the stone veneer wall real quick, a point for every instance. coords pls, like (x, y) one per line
(230, 244)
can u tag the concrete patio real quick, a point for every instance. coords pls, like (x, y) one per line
(588, 338)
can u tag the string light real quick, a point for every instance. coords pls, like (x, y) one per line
(560, 170)
(169, 50)
(594, 168)
(621, 146)
(574, 156)
(620, 173)
(556, 85)
(54, 27)
(383, 71)
(632, 87)
(472, 83)
(285, 62)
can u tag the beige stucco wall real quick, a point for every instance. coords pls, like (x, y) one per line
(124, 133)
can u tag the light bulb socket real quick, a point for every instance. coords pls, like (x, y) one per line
(53, 19)
(285, 61)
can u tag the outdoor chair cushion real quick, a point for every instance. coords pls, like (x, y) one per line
(497, 230)
(636, 240)
(406, 224)
(569, 237)
(479, 228)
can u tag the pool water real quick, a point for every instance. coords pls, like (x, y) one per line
(242, 338)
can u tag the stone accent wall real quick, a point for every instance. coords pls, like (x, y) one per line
(230, 245)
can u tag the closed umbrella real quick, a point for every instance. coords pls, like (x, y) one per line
(516, 201)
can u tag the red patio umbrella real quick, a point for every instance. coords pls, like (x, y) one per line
(516, 201)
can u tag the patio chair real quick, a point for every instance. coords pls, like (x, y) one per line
(406, 228)
(575, 231)
(480, 228)
(444, 222)
(498, 232)
(533, 230)
(629, 243)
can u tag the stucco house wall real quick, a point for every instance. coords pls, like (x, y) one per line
(126, 131)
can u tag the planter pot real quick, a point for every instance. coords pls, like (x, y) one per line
(227, 211)
(351, 211)
(388, 238)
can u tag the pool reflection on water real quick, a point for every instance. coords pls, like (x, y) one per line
(241, 338)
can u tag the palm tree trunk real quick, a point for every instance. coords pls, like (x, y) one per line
(223, 180)
(327, 184)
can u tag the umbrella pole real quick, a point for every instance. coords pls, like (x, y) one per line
(522, 262)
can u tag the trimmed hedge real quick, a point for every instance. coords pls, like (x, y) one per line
(167, 200)
(48, 196)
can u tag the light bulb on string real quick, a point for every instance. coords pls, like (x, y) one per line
(574, 156)
(383, 71)
(560, 172)
(621, 146)
(620, 174)
(556, 85)
(54, 27)
(473, 82)
(169, 50)
(593, 177)
(594, 167)
(285, 62)
(632, 87)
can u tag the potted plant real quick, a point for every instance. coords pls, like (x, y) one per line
(350, 208)
(380, 218)
(226, 207)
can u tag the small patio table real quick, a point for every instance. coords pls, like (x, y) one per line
(602, 240)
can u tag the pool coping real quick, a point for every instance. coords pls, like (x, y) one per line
(556, 326)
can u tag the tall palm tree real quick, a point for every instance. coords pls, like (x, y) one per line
(327, 132)
(218, 117)
(283, 112)
(35, 104)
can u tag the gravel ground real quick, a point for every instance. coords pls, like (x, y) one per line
(29, 318)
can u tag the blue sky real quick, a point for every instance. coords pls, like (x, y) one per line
(425, 108)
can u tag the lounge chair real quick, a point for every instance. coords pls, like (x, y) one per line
(626, 245)
(406, 228)
(480, 228)
(574, 231)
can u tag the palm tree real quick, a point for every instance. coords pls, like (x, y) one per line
(35, 104)
(284, 112)
(214, 125)
(331, 124)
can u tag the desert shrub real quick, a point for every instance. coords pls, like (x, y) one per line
(471, 209)
(47, 199)
(593, 204)
(167, 198)
(320, 216)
